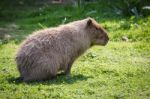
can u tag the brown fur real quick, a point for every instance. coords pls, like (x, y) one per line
(48, 51)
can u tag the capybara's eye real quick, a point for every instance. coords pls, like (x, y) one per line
(97, 28)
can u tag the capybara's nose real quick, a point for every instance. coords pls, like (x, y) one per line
(107, 38)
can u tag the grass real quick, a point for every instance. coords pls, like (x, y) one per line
(117, 71)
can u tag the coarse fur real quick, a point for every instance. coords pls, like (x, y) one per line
(48, 51)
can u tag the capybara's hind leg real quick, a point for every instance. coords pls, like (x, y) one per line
(38, 74)
(32, 79)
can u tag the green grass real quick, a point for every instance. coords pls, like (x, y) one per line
(117, 71)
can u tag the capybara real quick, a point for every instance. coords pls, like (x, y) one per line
(47, 51)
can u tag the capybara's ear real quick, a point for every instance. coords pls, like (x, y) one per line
(89, 22)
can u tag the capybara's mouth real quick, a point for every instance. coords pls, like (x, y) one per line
(105, 43)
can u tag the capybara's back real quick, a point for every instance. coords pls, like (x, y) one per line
(48, 51)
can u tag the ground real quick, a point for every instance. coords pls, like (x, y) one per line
(117, 71)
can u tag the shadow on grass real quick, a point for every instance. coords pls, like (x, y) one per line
(61, 79)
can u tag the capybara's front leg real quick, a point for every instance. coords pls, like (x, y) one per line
(68, 69)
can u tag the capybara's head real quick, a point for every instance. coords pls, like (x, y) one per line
(97, 33)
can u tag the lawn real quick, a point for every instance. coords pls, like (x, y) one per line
(117, 71)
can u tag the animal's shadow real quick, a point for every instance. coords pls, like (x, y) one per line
(60, 79)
